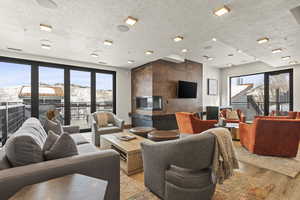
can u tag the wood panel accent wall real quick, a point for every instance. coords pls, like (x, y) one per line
(160, 78)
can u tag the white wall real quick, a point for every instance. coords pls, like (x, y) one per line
(123, 79)
(210, 73)
(253, 68)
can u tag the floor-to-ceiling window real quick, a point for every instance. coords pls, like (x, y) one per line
(263, 93)
(51, 92)
(247, 94)
(31, 88)
(15, 96)
(80, 90)
(104, 92)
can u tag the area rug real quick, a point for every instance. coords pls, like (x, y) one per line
(239, 187)
(287, 166)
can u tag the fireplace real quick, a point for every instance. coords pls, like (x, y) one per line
(149, 103)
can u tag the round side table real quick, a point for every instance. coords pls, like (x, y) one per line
(163, 135)
(141, 131)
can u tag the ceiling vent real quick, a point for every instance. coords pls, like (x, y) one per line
(296, 13)
(174, 58)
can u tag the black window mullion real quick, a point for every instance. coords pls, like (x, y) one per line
(35, 90)
(93, 92)
(67, 96)
(114, 93)
(267, 94)
(291, 73)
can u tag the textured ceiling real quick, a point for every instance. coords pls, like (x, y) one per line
(81, 26)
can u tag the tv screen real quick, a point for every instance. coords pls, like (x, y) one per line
(187, 89)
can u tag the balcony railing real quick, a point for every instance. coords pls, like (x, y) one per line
(13, 114)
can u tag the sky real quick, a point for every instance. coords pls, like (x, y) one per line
(12, 74)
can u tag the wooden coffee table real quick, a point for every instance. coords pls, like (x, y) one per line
(130, 151)
(70, 187)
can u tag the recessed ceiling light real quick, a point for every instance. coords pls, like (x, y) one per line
(94, 55)
(149, 52)
(46, 46)
(45, 27)
(221, 11)
(229, 65)
(130, 61)
(263, 40)
(239, 51)
(214, 39)
(255, 58)
(131, 21)
(286, 58)
(184, 50)
(293, 62)
(178, 38)
(210, 58)
(276, 50)
(108, 42)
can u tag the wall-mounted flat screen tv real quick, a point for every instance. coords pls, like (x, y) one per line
(187, 89)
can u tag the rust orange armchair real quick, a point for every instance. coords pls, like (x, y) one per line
(242, 118)
(271, 137)
(189, 123)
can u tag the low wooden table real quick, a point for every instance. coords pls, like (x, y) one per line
(130, 151)
(71, 187)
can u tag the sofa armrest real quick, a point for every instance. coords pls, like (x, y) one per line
(119, 122)
(102, 164)
(247, 136)
(71, 129)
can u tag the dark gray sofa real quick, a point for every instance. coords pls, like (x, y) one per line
(180, 169)
(91, 161)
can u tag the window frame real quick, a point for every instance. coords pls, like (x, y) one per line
(290, 71)
(35, 84)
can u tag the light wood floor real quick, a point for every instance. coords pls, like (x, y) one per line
(286, 188)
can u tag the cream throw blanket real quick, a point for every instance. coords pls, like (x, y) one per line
(225, 160)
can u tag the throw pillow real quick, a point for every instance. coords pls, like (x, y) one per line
(232, 115)
(63, 147)
(102, 120)
(51, 139)
(55, 126)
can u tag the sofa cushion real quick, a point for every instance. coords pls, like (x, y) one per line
(63, 147)
(232, 115)
(187, 178)
(54, 126)
(25, 146)
(4, 164)
(86, 148)
(102, 119)
(51, 139)
(111, 129)
(78, 139)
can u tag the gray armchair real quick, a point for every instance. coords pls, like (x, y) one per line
(115, 125)
(180, 169)
(58, 128)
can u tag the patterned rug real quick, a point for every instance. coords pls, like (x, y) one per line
(286, 166)
(239, 187)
